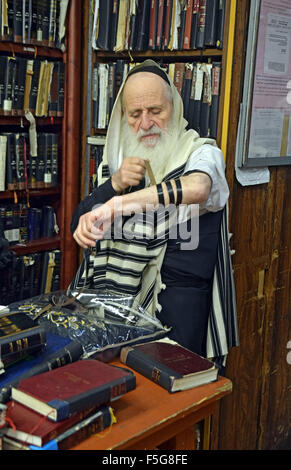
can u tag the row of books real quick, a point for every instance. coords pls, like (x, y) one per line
(21, 170)
(31, 84)
(198, 84)
(158, 24)
(23, 224)
(30, 275)
(37, 22)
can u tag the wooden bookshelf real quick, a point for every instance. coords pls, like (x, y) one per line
(64, 196)
(34, 50)
(41, 244)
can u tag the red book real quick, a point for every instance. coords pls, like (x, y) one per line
(168, 19)
(169, 364)
(33, 429)
(63, 392)
(160, 24)
(188, 23)
(153, 23)
(179, 75)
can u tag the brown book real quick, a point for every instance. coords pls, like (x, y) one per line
(65, 391)
(169, 364)
(33, 429)
(168, 20)
(188, 23)
(153, 23)
(179, 75)
(160, 24)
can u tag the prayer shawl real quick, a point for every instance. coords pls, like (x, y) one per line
(132, 265)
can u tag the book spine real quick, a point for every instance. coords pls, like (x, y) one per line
(146, 366)
(194, 25)
(220, 24)
(197, 98)
(159, 37)
(188, 22)
(2, 82)
(34, 22)
(52, 23)
(114, 22)
(3, 151)
(86, 428)
(168, 19)
(101, 396)
(10, 350)
(11, 175)
(17, 20)
(39, 171)
(21, 78)
(216, 74)
(34, 221)
(206, 101)
(153, 24)
(55, 159)
(105, 8)
(61, 89)
(201, 24)
(47, 160)
(211, 23)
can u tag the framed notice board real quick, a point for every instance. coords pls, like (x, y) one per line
(264, 133)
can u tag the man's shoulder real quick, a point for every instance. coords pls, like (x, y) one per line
(207, 150)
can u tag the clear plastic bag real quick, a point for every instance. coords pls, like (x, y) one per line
(101, 321)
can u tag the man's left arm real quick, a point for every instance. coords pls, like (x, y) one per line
(195, 189)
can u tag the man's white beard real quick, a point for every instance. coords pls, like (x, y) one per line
(158, 154)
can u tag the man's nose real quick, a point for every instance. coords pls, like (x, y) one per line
(146, 122)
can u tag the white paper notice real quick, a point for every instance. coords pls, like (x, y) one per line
(266, 133)
(277, 44)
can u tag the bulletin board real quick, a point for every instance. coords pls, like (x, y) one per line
(264, 134)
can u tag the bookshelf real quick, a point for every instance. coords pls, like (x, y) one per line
(63, 196)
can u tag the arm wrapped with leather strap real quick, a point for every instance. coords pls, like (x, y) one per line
(169, 186)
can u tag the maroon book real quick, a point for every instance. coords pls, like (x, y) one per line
(169, 364)
(60, 393)
(30, 428)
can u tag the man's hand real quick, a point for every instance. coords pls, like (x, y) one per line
(130, 173)
(93, 225)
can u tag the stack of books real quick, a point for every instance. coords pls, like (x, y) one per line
(61, 407)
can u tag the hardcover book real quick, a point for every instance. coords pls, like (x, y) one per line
(169, 364)
(19, 337)
(61, 393)
(31, 428)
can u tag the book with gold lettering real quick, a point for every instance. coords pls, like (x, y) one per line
(63, 392)
(169, 364)
(20, 336)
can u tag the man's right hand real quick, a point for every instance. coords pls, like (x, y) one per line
(130, 173)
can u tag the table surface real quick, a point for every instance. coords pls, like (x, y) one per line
(149, 411)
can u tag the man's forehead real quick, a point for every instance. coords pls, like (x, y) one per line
(143, 84)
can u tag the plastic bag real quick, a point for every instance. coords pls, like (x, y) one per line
(101, 321)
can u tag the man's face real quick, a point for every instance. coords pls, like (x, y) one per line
(148, 108)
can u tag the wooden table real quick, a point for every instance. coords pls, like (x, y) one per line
(149, 417)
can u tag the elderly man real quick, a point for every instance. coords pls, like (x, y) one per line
(171, 281)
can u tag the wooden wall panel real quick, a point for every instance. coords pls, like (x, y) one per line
(257, 414)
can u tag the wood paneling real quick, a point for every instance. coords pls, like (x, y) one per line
(257, 414)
